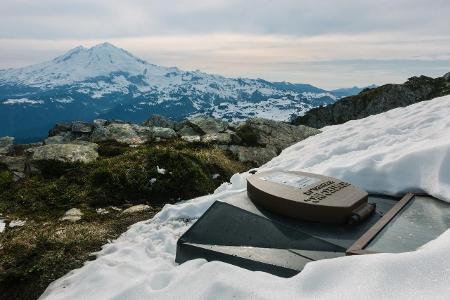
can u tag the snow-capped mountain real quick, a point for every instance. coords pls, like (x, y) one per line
(108, 82)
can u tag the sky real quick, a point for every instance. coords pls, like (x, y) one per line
(328, 43)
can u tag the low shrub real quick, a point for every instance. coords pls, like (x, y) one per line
(127, 178)
(111, 149)
(248, 135)
(6, 179)
(54, 169)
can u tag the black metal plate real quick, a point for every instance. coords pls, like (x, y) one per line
(245, 235)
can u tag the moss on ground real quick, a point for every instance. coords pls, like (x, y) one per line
(38, 253)
(120, 176)
(6, 179)
(46, 248)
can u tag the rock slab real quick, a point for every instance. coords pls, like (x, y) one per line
(64, 153)
(6, 145)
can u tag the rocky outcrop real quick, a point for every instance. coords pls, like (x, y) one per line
(256, 141)
(6, 145)
(94, 146)
(64, 153)
(191, 138)
(60, 128)
(82, 127)
(159, 121)
(223, 138)
(269, 133)
(187, 130)
(377, 100)
(61, 138)
(122, 133)
(255, 155)
(100, 122)
(161, 133)
(207, 125)
(16, 164)
(259, 140)
(19, 149)
(64, 132)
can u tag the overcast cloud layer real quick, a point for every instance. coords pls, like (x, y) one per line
(327, 43)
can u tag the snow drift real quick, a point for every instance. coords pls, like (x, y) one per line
(406, 149)
(402, 150)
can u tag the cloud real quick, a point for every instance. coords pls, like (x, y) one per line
(113, 18)
(328, 42)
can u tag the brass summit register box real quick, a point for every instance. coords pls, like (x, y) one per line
(309, 197)
(286, 219)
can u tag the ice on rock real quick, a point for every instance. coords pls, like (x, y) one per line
(394, 152)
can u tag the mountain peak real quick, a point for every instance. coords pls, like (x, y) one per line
(79, 64)
(69, 54)
(78, 48)
(99, 53)
(106, 46)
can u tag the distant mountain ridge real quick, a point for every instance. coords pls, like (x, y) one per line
(376, 100)
(108, 82)
(345, 92)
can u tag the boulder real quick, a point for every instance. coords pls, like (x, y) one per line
(136, 208)
(187, 130)
(163, 133)
(130, 134)
(85, 143)
(16, 164)
(64, 153)
(6, 145)
(191, 138)
(116, 121)
(72, 215)
(59, 128)
(280, 135)
(19, 149)
(82, 127)
(62, 138)
(205, 125)
(224, 138)
(100, 122)
(254, 155)
(159, 121)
